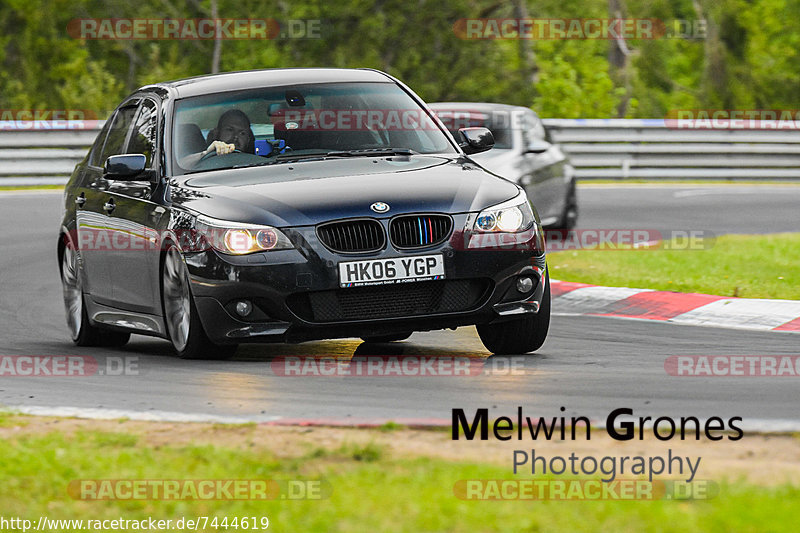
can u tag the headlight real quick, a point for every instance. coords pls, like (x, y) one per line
(239, 239)
(512, 216)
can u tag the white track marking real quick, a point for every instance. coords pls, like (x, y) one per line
(711, 192)
(101, 413)
(747, 424)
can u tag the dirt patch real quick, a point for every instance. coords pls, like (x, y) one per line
(759, 459)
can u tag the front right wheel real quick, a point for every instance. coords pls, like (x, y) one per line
(522, 335)
(83, 333)
(180, 314)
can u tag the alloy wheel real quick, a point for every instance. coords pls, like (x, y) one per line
(73, 294)
(177, 300)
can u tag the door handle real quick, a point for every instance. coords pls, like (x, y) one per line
(80, 200)
(109, 206)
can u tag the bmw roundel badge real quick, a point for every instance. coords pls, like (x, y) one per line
(379, 207)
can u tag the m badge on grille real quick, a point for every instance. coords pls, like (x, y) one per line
(379, 207)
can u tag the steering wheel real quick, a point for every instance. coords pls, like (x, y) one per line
(214, 152)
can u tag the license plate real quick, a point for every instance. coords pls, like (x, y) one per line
(388, 271)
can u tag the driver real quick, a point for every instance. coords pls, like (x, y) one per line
(232, 133)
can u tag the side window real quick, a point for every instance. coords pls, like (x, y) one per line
(97, 147)
(143, 139)
(118, 132)
(547, 136)
(537, 128)
(526, 132)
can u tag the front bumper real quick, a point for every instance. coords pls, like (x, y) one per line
(296, 294)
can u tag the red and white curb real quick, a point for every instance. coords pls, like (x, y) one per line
(679, 308)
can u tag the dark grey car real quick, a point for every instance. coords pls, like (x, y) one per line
(523, 152)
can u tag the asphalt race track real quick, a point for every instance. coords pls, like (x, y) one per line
(590, 365)
(715, 209)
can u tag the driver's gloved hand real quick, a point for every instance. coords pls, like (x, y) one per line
(220, 147)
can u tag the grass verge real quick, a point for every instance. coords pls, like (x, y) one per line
(372, 489)
(30, 187)
(750, 266)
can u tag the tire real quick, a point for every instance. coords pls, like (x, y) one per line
(569, 216)
(388, 338)
(184, 329)
(83, 333)
(520, 336)
(114, 339)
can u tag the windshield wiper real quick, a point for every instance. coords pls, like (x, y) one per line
(296, 157)
(368, 152)
(248, 165)
(284, 158)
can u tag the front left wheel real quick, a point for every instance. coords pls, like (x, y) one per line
(569, 215)
(522, 335)
(180, 314)
(388, 338)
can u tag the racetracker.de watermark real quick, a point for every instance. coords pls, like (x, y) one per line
(199, 489)
(539, 29)
(582, 489)
(754, 366)
(733, 119)
(392, 366)
(356, 120)
(193, 29)
(26, 366)
(612, 239)
(48, 119)
(628, 239)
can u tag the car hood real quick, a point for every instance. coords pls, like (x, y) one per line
(505, 163)
(311, 192)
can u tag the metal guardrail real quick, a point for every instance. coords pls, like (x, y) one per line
(633, 148)
(598, 149)
(42, 157)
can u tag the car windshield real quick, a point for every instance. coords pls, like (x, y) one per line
(498, 122)
(292, 123)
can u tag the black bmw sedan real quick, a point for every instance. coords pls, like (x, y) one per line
(291, 205)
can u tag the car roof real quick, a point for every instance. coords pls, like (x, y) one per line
(252, 79)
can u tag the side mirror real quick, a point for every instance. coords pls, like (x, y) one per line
(127, 167)
(538, 147)
(476, 140)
